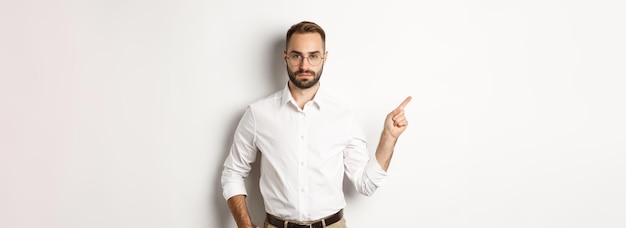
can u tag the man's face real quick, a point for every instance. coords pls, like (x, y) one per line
(306, 46)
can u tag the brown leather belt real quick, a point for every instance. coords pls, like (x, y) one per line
(277, 222)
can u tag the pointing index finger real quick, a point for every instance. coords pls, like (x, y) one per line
(405, 102)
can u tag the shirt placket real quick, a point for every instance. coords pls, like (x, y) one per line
(302, 165)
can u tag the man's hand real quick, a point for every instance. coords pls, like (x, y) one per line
(396, 122)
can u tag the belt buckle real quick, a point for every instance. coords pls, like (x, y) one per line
(310, 225)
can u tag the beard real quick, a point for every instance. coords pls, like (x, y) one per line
(304, 83)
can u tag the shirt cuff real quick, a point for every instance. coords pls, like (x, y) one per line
(376, 173)
(233, 189)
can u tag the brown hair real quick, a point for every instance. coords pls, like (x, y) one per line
(306, 27)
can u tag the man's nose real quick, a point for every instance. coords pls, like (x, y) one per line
(304, 64)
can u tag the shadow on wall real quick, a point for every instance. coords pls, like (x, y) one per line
(223, 212)
(277, 70)
(277, 78)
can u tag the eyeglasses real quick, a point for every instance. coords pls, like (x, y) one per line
(296, 59)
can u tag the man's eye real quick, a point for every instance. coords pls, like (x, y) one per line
(314, 56)
(296, 56)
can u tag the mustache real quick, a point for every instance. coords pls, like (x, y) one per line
(305, 71)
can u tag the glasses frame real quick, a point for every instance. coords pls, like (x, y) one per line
(302, 60)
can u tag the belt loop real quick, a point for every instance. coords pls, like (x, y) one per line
(285, 225)
(323, 222)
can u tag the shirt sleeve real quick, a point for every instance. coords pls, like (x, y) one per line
(242, 154)
(362, 168)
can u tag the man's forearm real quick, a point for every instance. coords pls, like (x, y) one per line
(239, 209)
(385, 148)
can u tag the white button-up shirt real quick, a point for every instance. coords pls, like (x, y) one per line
(304, 155)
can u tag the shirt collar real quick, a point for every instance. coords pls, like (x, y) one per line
(318, 99)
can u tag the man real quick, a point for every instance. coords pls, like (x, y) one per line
(307, 141)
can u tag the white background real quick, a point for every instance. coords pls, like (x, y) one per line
(120, 113)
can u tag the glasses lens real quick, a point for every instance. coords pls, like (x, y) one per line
(315, 60)
(295, 59)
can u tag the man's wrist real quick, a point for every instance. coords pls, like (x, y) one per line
(387, 136)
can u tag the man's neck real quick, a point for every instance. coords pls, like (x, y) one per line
(302, 96)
